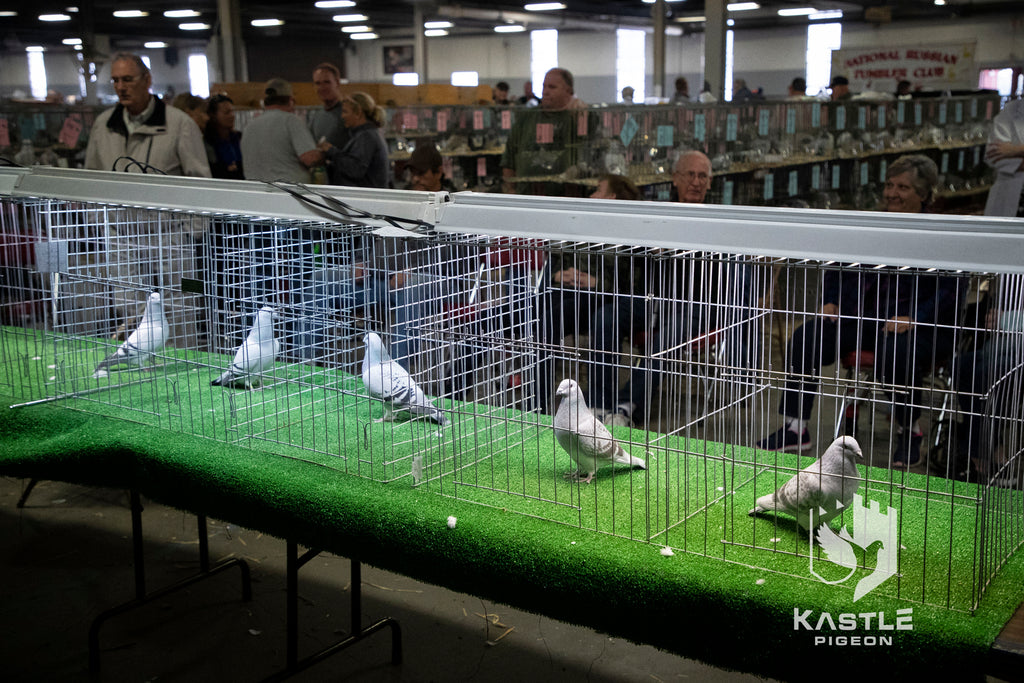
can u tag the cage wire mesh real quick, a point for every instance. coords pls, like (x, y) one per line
(692, 358)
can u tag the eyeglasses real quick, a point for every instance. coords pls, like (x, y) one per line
(690, 176)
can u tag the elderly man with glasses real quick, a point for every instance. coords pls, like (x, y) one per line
(142, 134)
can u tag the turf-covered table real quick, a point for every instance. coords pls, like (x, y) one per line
(723, 613)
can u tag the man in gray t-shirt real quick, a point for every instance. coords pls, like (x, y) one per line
(277, 145)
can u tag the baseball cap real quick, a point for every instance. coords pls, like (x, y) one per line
(425, 157)
(278, 87)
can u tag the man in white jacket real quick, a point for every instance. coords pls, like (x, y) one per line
(142, 133)
(1005, 153)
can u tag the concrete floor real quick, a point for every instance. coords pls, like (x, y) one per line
(67, 556)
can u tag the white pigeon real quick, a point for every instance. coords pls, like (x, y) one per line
(148, 338)
(825, 487)
(388, 381)
(255, 355)
(587, 441)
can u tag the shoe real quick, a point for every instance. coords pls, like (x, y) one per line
(907, 453)
(786, 440)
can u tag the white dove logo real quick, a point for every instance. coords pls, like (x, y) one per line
(870, 525)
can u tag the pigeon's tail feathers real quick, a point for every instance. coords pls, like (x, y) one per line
(624, 458)
(765, 503)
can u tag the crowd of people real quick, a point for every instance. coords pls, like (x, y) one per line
(604, 298)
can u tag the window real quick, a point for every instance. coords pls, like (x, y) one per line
(466, 78)
(36, 72)
(1002, 80)
(543, 55)
(821, 40)
(630, 62)
(198, 75)
(727, 92)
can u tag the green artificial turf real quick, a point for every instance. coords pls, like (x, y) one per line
(525, 535)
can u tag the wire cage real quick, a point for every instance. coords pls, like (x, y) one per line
(695, 335)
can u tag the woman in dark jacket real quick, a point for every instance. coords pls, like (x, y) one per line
(222, 140)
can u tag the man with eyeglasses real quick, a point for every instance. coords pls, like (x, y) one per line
(141, 134)
(692, 177)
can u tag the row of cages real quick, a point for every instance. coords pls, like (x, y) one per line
(771, 140)
(632, 390)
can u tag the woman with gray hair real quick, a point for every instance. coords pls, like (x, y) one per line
(904, 317)
(910, 184)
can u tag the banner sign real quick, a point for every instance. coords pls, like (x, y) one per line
(927, 67)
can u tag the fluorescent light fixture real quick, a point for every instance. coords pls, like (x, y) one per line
(673, 31)
(940, 3)
(742, 6)
(437, 24)
(691, 20)
(344, 18)
(797, 11)
(651, 2)
(363, 36)
(543, 6)
(54, 17)
(405, 79)
(730, 22)
(155, 44)
(194, 26)
(181, 13)
(130, 13)
(71, 9)
(356, 29)
(267, 22)
(334, 4)
(467, 78)
(71, 41)
(35, 48)
(509, 28)
(435, 32)
(827, 14)
(8, 13)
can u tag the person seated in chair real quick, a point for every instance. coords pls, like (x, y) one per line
(904, 317)
(650, 290)
(579, 285)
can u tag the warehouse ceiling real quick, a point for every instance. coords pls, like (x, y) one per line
(393, 19)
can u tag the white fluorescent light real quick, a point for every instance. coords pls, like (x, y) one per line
(742, 6)
(194, 26)
(35, 48)
(543, 6)
(363, 36)
(8, 13)
(691, 20)
(334, 4)
(437, 24)
(72, 41)
(180, 13)
(435, 32)
(155, 44)
(349, 17)
(405, 79)
(267, 22)
(797, 11)
(54, 17)
(509, 28)
(356, 29)
(466, 78)
(730, 22)
(673, 31)
(827, 14)
(130, 13)
(71, 9)
(651, 2)
(940, 2)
